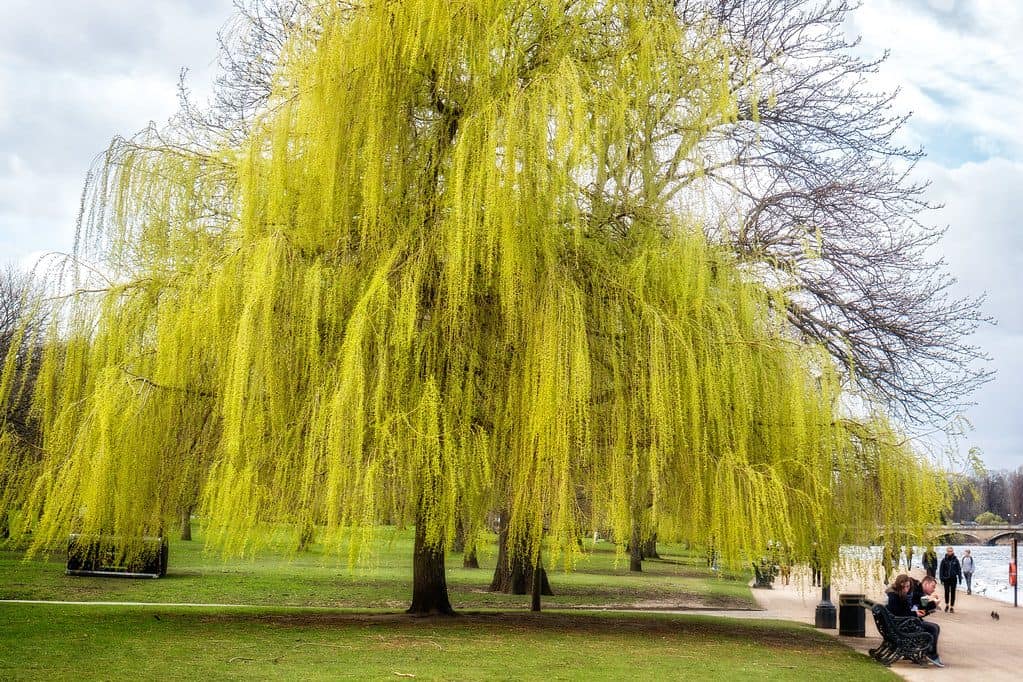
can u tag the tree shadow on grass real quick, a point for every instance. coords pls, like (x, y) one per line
(775, 634)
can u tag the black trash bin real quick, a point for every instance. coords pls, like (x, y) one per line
(852, 621)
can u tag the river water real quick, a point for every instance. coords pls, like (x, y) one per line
(991, 564)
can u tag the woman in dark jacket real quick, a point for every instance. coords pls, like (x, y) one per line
(899, 595)
(900, 603)
(951, 574)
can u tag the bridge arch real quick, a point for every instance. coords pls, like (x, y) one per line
(959, 537)
(955, 534)
(1005, 536)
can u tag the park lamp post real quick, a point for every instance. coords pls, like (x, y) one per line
(825, 616)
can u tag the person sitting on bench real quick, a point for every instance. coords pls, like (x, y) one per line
(901, 603)
(923, 594)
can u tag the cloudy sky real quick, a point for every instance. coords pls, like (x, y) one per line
(959, 66)
(73, 73)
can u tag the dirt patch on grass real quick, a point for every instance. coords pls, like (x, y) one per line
(665, 596)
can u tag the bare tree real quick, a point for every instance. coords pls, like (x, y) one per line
(1015, 484)
(996, 494)
(252, 44)
(20, 324)
(21, 321)
(825, 205)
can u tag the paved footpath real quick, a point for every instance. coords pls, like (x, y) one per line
(973, 646)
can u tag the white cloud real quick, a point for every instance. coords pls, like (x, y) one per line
(984, 248)
(37, 209)
(984, 245)
(960, 67)
(111, 35)
(73, 75)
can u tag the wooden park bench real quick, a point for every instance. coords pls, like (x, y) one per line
(903, 637)
(104, 556)
(765, 573)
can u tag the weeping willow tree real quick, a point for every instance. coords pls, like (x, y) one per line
(444, 273)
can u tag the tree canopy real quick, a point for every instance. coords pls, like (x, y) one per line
(812, 157)
(443, 272)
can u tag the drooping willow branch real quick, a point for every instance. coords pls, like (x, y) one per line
(420, 308)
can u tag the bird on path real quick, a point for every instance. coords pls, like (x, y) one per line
(994, 615)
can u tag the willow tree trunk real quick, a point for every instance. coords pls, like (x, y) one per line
(536, 585)
(429, 585)
(458, 545)
(523, 576)
(186, 523)
(515, 576)
(636, 548)
(650, 548)
(469, 559)
(305, 537)
(501, 581)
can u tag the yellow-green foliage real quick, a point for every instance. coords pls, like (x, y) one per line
(443, 275)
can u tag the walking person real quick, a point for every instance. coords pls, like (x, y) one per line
(930, 561)
(886, 563)
(967, 566)
(815, 568)
(951, 574)
(909, 557)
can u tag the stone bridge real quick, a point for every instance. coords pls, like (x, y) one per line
(977, 535)
(962, 534)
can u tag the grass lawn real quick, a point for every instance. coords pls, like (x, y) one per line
(362, 633)
(273, 578)
(48, 642)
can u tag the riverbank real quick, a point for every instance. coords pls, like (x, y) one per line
(991, 578)
(972, 644)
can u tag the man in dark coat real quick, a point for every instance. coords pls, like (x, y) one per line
(923, 595)
(951, 574)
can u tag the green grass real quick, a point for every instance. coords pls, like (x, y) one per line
(358, 630)
(46, 642)
(601, 579)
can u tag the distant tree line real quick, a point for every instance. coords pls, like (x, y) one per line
(21, 322)
(998, 492)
